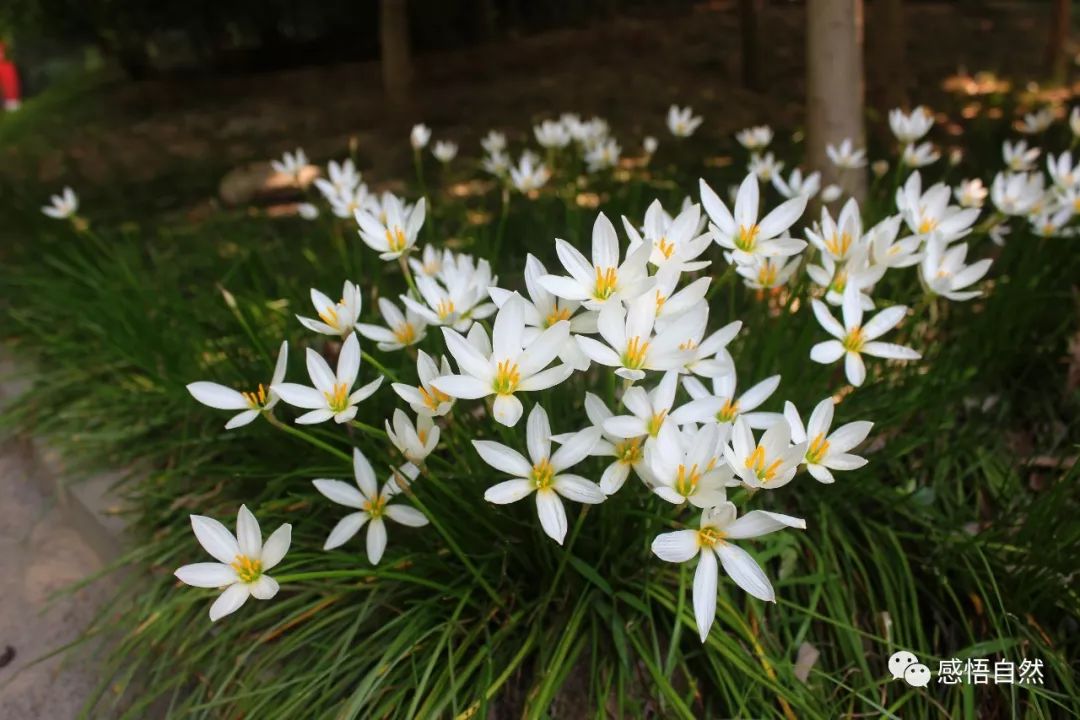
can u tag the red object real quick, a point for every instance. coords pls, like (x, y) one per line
(9, 79)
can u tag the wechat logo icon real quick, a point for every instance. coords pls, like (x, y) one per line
(905, 666)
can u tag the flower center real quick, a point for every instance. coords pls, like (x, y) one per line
(853, 341)
(728, 412)
(556, 315)
(395, 239)
(746, 238)
(665, 247)
(927, 225)
(444, 309)
(628, 451)
(634, 356)
(256, 398)
(542, 474)
(655, 422)
(329, 315)
(767, 275)
(686, 480)
(709, 536)
(434, 397)
(756, 462)
(247, 569)
(405, 333)
(660, 300)
(839, 244)
(376, 508)
(606, 281)
(338, 400)
(818, 447)
(507, 378)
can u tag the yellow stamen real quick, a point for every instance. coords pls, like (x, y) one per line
(746, 238)
(660, 300)
(629, 451)
(634, 356)
(405, 333)
(839, 244)
(434, 397)
(687, 345)
(606, 280)
(709, 536)
(507, 378)
(818, 447)
(854, 340)
(338, 400)
(395, 239)
(247, 569)
(756, 462)
(256, 398)
(444, 309)
(927, 225)
(375, 509)
(542, 474)
(767, 275)
(666, 248)
(556, 315)
(728, 412)
(329, 316)
(686, 480)
(655, 422)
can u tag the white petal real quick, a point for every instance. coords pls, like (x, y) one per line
(677, 547)
(342, 493)
(376, 540)
(890, 350)
(229, 601)
(503, 458)
(345, 529)
(276, 546)
(538, 434)
(827, 352)
(264, 588)
(206, 575)
(406, 515)
(744, 570)
(578, 489)
(705, 591)
(507, 410)
(552, 514)
(509, 491)
(300, 396)
(365, 477)
(761, 522)
(464, 387)
(215, 538)
(241, 419)
(217, 396)
(248, 535)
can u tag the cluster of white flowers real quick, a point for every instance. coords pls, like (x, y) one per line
(640, 309)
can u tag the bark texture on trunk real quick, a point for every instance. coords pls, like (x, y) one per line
(834, 87)
(394, 47)
(1056, 57)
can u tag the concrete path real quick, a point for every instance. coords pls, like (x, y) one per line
(41, 553)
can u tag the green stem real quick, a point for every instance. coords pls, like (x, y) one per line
(306, 437)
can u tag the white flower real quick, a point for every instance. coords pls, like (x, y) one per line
(1048, 224)
(627, 452)
(742, 233)
(542, 310)
(910, 127)
(765, 167)
(529, 175)
(797, 185)
(1062, 171)
(711, 541)
(649, 145)
(763, 273)
(853, 338)
(675, 242)
(755, 138)
(552, 134)
(419, 136)
(444, 151)
(1074, 121)
(331, 397)
(544, 475)
(335, 318)
(841, 238)
(496, 163)
(307, 211)
(290, 163)
(721, 405)
(831, 193)
(456, 295)
(414, 442)
(1036, 122)
(372, 505)
(944, 272)
(971, 193)
(392, 231)
(508, 366)
(345, 202)
(1017, 193)
(887, 251)
(709, 357)
(930, 212)
(343, 180)
(920, 155)
(766, 464)
(425, 398)
(1018, 157)
(431, 261)
(604, 280)
(687, 466)
(681, 121)
(649, 410)
(494, 142)
(243, 560)
(251, 404)
(827, 451)
(404, 329)
(63, 205)
(604, 154)
(845, 155)
(631, 346)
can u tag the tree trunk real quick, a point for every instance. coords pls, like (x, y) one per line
(749, 24)
(1059, 35)
(889, 71)
(394, 46)
(834, 87)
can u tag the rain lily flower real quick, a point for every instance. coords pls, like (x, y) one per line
(552, 134)
(1018, 157)
(509, 366)
(344, 203)
(335, 318)
(971, 193)
(1074, 121)
(431, 261)
(649, 410)
(342, 180)
(826, 451)
(291, 164)
(845, 155)
(853, 339)
(831, 193)
(251, 404)
(604, 280)
(920, 155)
(1017, 193)
(930, 212)
(1048, 224)
(763, 273)
(307, 211)
(543, 473)
(742, 232)
(722, 406)
(1062, 171)
(675, 242)
(769, 463)
(708, 356)
(681, 121)
(529, 175)
(394, 233)
(603, 155)
(755, 138)
(765, 167)
(797, 185)
(628, 452)
(496, 163)
(242, 561)
(419, 136)
(888, 251)
(494, 142)
(944, 272)
(686, 466)
(838, 239)
(910, 127)
(373, 507)
(332, 395)
(711, 541)
(631, 348)
(856, 272)
(444, 151)
(404, 329)
(454, 297)
(1036, 122)
(63, 205)
(650, 145)
(414, 442)
(425, 398)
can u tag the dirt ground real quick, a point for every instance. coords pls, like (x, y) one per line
(190, 130)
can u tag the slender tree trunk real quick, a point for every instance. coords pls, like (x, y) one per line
(394, 45)
(889, 73)
(834, 87)
(749, 24)
(1059, 36)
